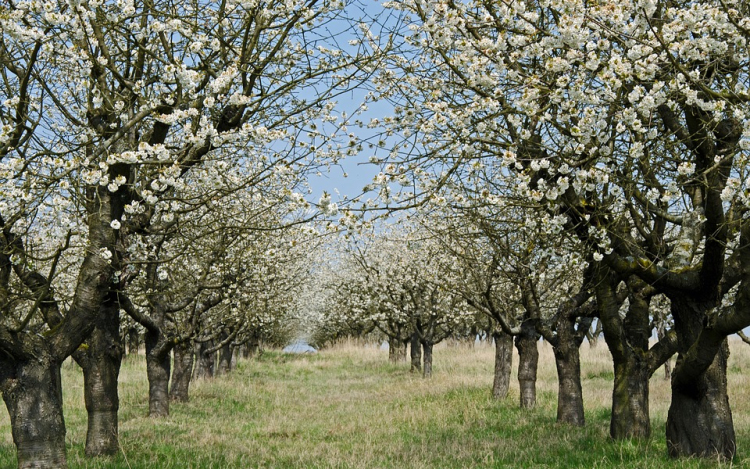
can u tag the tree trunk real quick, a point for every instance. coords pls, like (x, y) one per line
(204, 366)
(627, 338)
(134, 341)
(182, 371)
(416, 353)
(396, 351)
(630, 411)
(100, 361)
(593, 334)
(427, 352)
(157, 370)
(503, 364)
(225, 358)
(528, 360)
(252, 348)
(568, 363)
(699, 421)
(33, 396)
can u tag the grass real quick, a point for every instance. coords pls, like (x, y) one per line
(349, 408)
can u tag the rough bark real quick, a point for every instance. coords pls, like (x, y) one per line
(204, 361)
(503, 364)
(528, 360)
(157, 371)
(427, 357)
(416, 353)
(699, 422)
(225, 357)
(568, 364)
(182, 372)
(397, 350)
(627, 339)
(30, 362)
(33, 396)
(100, 360)
(630, 410)
(593, 334)
(134, 341)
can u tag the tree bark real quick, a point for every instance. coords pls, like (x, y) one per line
(33, 396)
(134, 341)
(568, 364)
(627, 339)
(157, 370)
(204, 361)
(100, 361)
(630, 410)
(225, 357)
(427, 352)
(396, 350)
(182, 372)
(416, 353)
(699, 422)
(593, 334)
(528, 361)
(503, 364)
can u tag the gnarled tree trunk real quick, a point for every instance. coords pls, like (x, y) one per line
(568, 364)
(134, 340)
(627, 339)
(100, 361)
(225, 357)
(182, 371)
(33, 396)
(397, 350)
(416, 353)
(157, 370)
(204, 361)
(699, 422)
(630, 411)
(427, 352)
(527, 343)
(503, 364)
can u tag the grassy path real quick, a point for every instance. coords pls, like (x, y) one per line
(349, 408)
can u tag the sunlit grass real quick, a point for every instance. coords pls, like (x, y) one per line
(349, 408)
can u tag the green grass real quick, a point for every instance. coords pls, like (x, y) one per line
(349, 408)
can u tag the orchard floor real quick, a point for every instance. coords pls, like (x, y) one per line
(348, 408)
